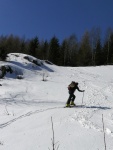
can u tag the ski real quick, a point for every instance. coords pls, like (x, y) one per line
(76, 106)
(69, 106)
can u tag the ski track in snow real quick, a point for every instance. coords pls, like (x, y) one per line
(26, 115)
(84, 118)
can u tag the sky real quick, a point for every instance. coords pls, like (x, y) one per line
(48, 18)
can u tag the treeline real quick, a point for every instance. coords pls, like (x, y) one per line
(90, 50)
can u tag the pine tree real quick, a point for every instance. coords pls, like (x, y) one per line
(73, 50)
(110, 46)
(85, 54)
(94, 40)
(3, 54)
(54, 51)
(64, 53)
(45, 48)
(33, 46)
(108, 49)
(98, 56)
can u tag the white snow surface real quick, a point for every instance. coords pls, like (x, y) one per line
(27, 105)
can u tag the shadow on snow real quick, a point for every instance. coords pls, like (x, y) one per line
(93, 107)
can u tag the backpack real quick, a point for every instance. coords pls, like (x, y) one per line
(69, 87)
(72, 85)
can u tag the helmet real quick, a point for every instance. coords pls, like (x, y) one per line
(75, 83)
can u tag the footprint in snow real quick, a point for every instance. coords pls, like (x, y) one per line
(109, 132)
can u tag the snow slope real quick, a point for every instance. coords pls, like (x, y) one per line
(27, 105)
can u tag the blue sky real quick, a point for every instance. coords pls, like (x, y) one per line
(46, 18)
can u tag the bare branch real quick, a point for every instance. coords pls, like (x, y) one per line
(104, 132)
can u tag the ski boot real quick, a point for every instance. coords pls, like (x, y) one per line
(72, 104)
(67, 105)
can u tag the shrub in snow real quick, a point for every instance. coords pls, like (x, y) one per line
(26, 57)
(33, 60)
(4, 70)
(3, 55)
(48, 62)
(36, 62)
(20, 77)
(44, 75)
(54, 146)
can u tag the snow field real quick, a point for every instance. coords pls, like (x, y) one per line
(27, 105)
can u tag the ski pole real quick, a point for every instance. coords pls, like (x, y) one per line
(82, 97)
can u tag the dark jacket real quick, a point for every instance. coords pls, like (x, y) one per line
(72, 87)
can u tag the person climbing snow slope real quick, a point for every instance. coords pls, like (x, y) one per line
(72, 87)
